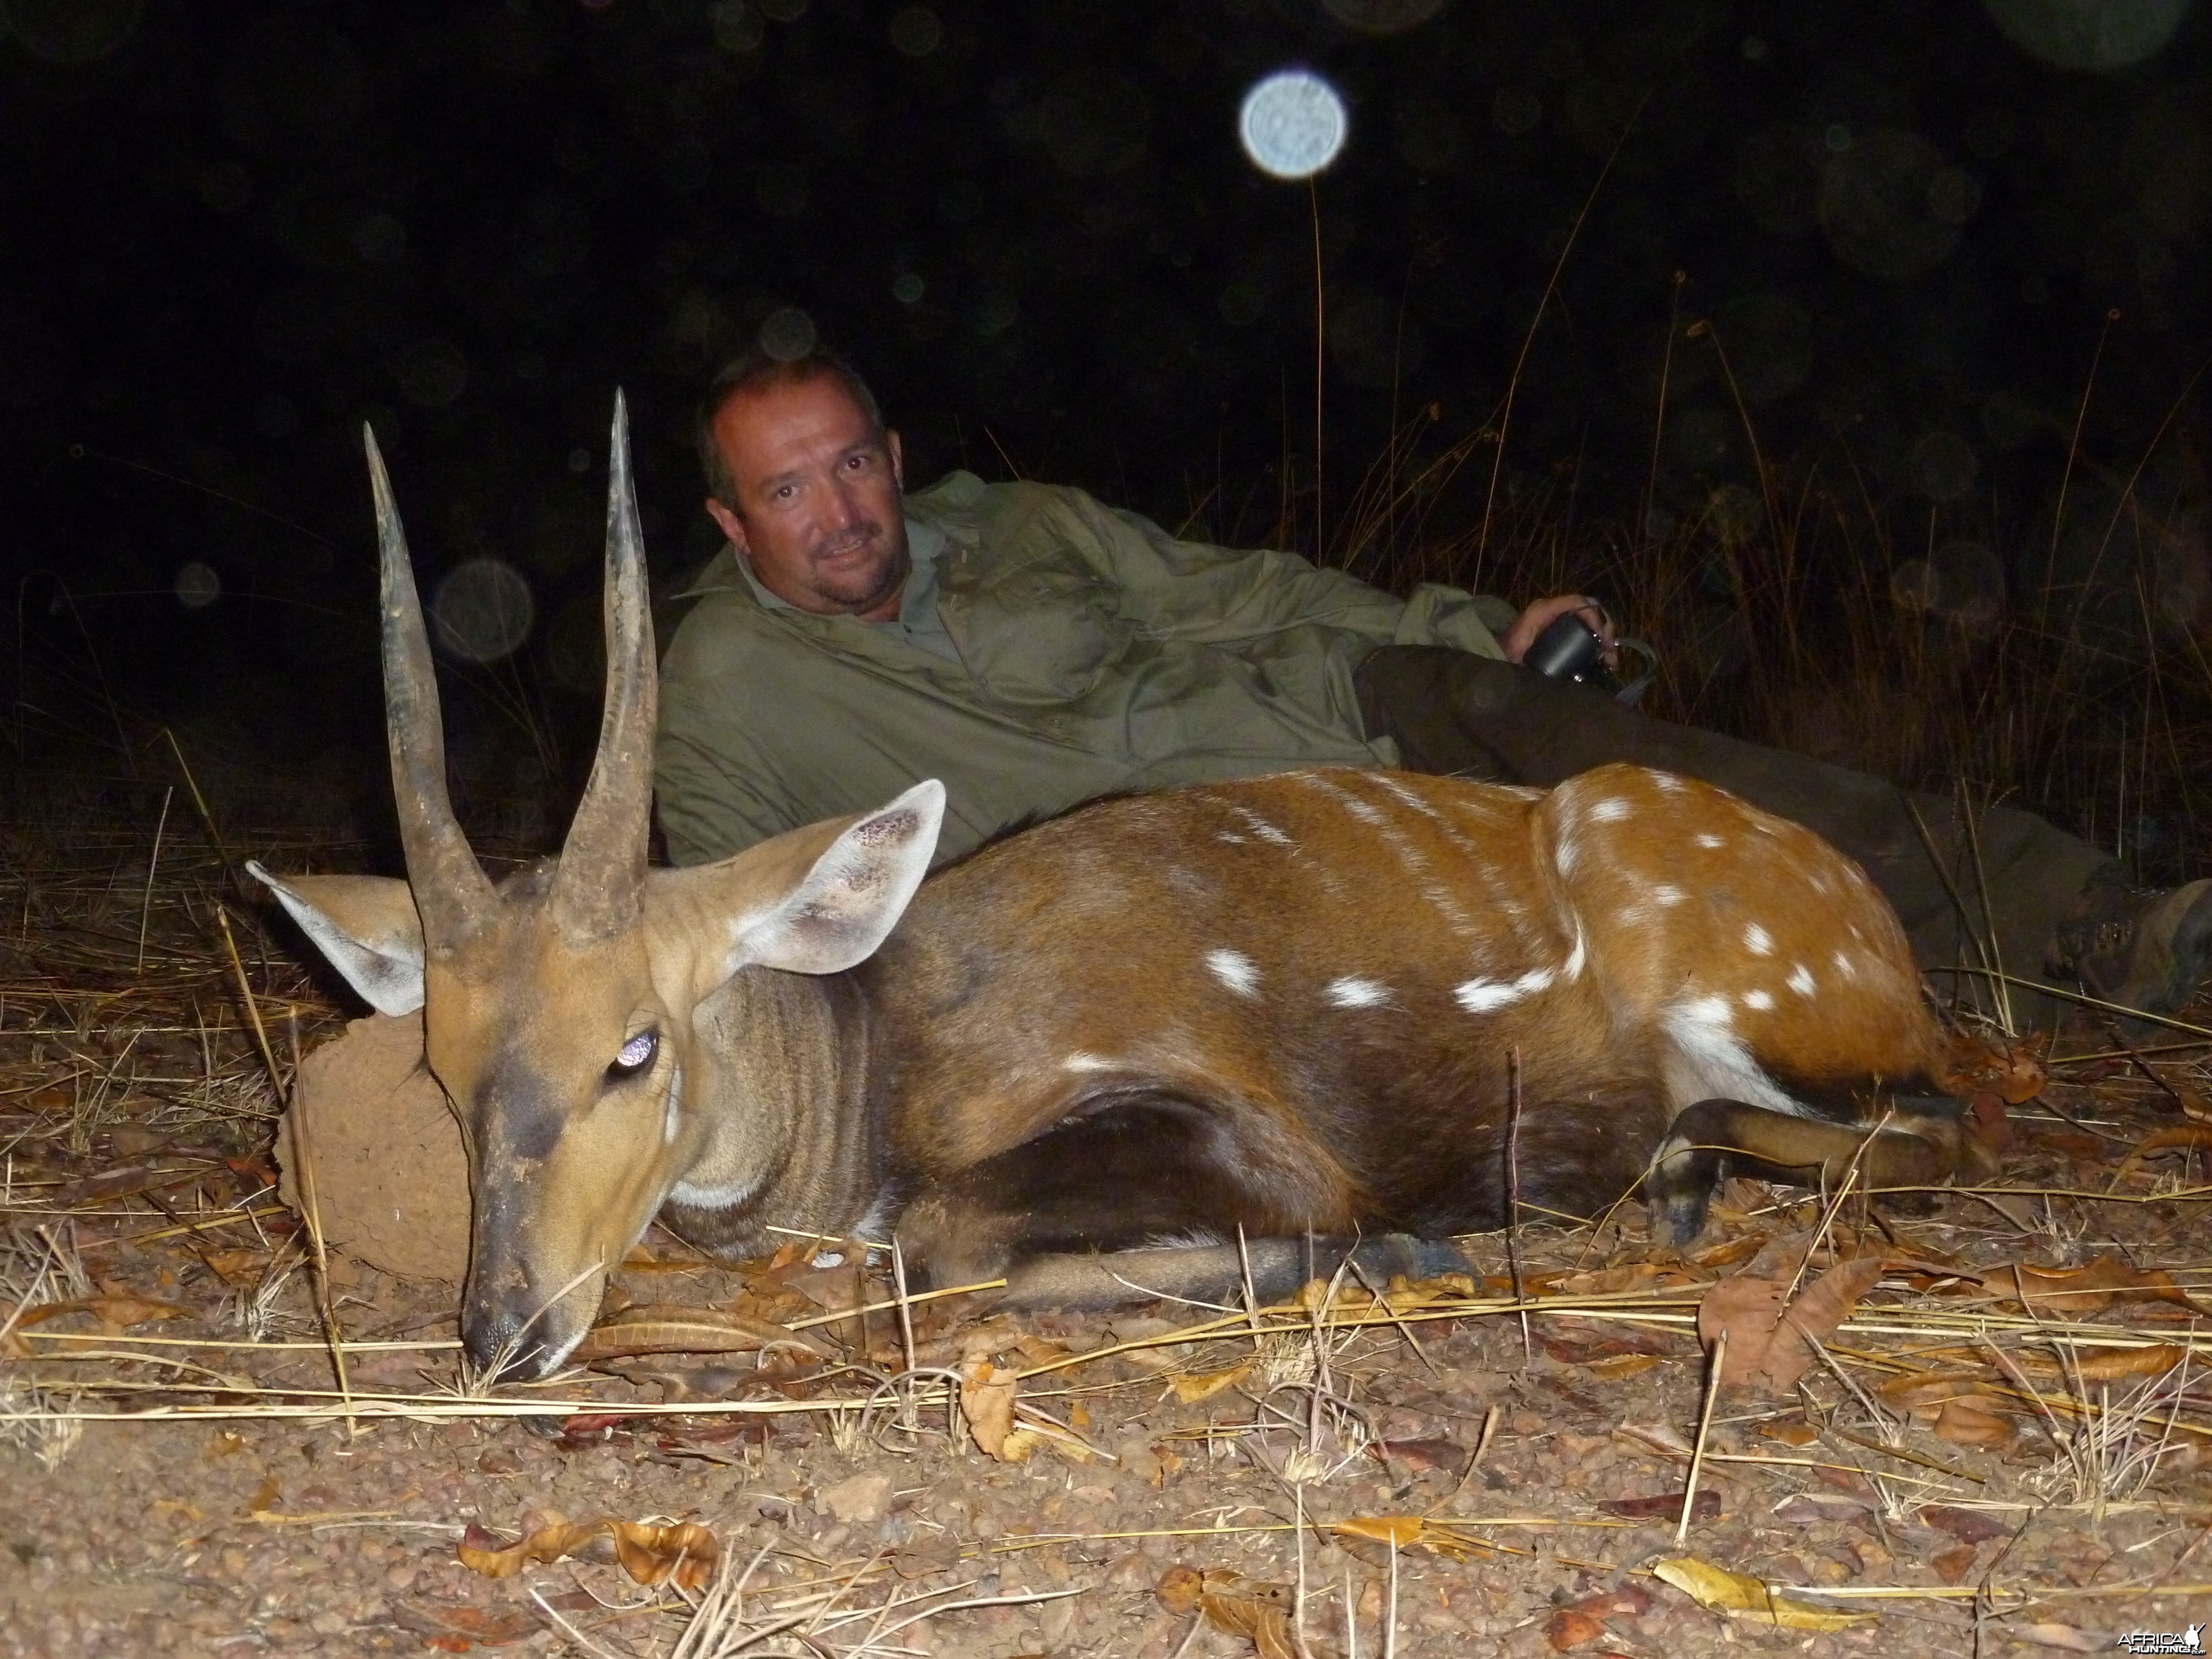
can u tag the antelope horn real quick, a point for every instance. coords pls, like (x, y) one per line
(451, 890)
(601, 888)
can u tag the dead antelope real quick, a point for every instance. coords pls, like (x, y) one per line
(1090, 1054)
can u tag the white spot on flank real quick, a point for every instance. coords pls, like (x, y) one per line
(1667, 781)
(1569, 850)
(1353, 993)
(1236, 970)
(1605, 811)
(1573, 970)
(1757, 940)
(1079, 1062)
(1479, 996)
(1233, 839)
(1634, 917)
(1761, 1000)
(1260, 827)
(1708, 841)
(1801, 980)
(1711, 1012)
(1365, 810)
(1843, 966)
(1665, 895)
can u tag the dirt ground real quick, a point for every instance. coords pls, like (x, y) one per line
(1997, 1443)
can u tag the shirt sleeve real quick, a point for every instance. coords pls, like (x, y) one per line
(1204, 594)
(703, 773)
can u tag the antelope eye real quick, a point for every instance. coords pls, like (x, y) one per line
(634, 1055)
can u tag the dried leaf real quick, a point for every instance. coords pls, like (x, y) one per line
(1434, 1452)
(2110, 1364)
(1622, 1366)
(1765, 1337)
(650, 1553)
(1927, 1392)
(987, 1400)
(1967, 1423)
(2188, 1137)
(1570, 1628)
(1967, 1526)
(1661, 1437)
(1739, 1596)
(116, 1309)
(662, 1327)
(2081, 1292)
(1232, 1602)
(1191, 1387)
(1729, 1252)
(1952, 1566)
(2062, 1636)
(1790, 1432)
(2015, 1072)
(1665, 1505)
(1409, 1532)
(456, 1627)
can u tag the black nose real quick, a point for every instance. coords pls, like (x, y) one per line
(498, 1347)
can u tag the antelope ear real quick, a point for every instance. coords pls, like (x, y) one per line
(366, 925)
(816, 900)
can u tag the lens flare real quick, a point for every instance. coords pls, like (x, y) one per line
(1292, 124)
(483, 611)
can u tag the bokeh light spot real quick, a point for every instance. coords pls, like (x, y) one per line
(432, 373)
(1383, 16)
(1292, 124)
(787, 334)
(737, 25)
(915, 32)
(1877, 206)
(72, 31)
(1944, 465)
(198, 586)
(579, 460)
(907, 289)
(2088, 34)
(380, 239)
(1514, 110)
(483, 611)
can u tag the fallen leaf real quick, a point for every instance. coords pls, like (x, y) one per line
(1739, 1596)
(2080, 1292)
(2186, 1137)
(1964, 1423)
(1665, 1505)
(1728, 1253)
(1239, 1606)
(1967, 1526)
(1191, 1387)
(456, 1627)
(2110, 1364)
(1661, 1437)
(1765, 1338)
(2015, 1072)
(1804, 1509)
(1952, 1566)
(1409, 1532)
(116, 1309)
(1790, 1432)
(650, 1553)
(2063, 1637)
(660, 1328)
(1622, 1366)
(1570, 1628)
(987, 1400)
(1436, 1453)
(1925, 1393)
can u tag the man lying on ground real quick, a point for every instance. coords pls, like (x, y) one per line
(1036, 649)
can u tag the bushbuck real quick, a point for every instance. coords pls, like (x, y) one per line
(1141, 1047)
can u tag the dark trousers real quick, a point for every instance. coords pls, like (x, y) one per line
(1451, 712)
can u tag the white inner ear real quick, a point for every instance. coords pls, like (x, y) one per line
(855, 895)
(388, 971)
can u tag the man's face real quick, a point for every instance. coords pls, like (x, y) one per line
(818, 514)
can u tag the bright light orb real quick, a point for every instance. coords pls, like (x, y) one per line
(1292, 124)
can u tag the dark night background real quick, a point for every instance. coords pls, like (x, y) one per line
(234, 232)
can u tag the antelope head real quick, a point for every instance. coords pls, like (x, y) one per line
(558, 1005)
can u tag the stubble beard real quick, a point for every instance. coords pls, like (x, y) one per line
(888, 576)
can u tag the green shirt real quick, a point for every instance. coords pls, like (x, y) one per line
(1048, 650)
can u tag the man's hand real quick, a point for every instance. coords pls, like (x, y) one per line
(1517, 639)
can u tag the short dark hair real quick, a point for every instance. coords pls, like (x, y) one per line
(761, 370)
